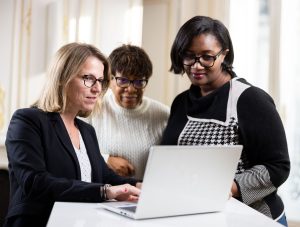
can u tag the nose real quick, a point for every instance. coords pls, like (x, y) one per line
(97, 87)
(131, 88)
(197, 65)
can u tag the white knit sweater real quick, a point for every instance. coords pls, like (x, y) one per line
(129, 133)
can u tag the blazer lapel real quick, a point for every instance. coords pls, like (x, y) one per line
(92, 150)
(65, 140)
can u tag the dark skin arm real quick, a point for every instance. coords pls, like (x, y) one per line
(120, 166)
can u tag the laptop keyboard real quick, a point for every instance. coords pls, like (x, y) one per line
(129, 208)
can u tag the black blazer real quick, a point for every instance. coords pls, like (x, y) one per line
(43, 165)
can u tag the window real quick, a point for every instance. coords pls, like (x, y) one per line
(249, 28)
(266, 44)
(290, 98)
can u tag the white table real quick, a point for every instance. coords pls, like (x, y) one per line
(236, 214)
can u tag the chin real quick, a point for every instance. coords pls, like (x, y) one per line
(129, 106)
(88, 108)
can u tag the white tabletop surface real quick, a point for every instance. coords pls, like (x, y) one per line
(236, 214)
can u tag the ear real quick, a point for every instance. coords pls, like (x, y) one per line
(225, 52)
(223, 55)
(224, 65)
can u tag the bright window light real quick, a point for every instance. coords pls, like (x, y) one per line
(133, 23)
(85, 23)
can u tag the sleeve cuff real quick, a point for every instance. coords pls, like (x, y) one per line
(105, 157)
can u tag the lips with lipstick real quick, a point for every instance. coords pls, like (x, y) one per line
(198, 76)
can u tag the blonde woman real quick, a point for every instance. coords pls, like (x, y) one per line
(53, 155)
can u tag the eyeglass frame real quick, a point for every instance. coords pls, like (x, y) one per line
(130, 82)
(103, 82)
(197, 59)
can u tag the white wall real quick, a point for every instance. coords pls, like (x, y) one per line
(161, 21)
(6, 45)
(158, 31)
(34, 30)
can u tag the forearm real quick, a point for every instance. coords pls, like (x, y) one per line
(254, 184)
(114, 179)
(265, 155)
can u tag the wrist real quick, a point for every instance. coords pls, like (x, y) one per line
(138, 185)
(104, 192)
(235, 190)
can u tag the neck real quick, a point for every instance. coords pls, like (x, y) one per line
(68, 119)
(223, 79)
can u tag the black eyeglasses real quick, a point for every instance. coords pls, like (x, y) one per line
(205, 60)
(123, 82)
(89, 81)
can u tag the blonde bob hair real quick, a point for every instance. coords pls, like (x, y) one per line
(65, 65)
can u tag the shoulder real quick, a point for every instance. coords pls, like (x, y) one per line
(156, 105)
(248, 92)
(155, 110)
(29, 120)
(256, 96)
(29, 114)
(255, 99)
(182, 96)
(180, 99)
(29, 111)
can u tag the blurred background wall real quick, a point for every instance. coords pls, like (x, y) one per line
(265, 36)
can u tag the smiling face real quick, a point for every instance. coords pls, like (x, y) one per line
(80, 97)
(129, 97)
(208, 79)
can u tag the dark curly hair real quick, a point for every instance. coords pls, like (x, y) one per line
(130, 60)
(196, 26)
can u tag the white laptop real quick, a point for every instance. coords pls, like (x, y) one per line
(181, 180)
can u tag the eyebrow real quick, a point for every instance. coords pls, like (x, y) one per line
(203, 52)
(100, 77)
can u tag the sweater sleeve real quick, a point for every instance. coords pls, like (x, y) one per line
(265, 147)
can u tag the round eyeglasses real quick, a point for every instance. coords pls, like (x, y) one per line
(89, 81)
(123, 82)
(205, 60)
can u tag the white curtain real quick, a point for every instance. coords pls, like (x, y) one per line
(266, 37)
(290, 99)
